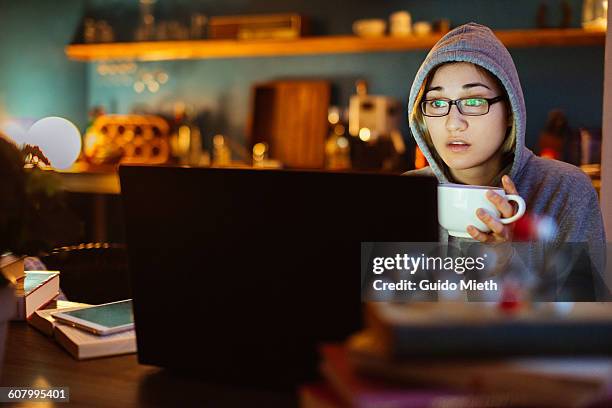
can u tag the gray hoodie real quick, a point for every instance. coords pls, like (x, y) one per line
(550, 188)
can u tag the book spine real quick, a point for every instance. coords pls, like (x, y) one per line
(41, 324)
(66, 343)
(106, 349)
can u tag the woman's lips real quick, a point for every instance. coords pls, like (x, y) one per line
(457, 147)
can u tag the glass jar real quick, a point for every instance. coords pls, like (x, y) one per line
(595, 15)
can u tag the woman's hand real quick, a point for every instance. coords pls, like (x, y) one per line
(500, 233)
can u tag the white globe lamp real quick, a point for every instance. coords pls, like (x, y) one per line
(58, 139)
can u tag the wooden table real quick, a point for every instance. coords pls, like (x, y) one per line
(34, 360)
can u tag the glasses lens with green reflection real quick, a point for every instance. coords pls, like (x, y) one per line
(467, 106)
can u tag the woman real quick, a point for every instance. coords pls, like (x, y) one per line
(467, 114)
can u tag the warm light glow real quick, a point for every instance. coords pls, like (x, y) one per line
(342, 142)
(259, 149)
(184, 138)
(162, 77)
(153, 87)
(364, 134)
(218, 140)
(139, 87)
(41, 382)
(92, 140)
(333, 117)
(58, 139)
(548, 153)
(339, 130)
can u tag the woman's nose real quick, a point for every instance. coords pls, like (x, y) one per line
(455, 121)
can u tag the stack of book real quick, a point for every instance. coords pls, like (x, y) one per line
(417, 356)
(79, 343)
(33, 289)
(36, 292)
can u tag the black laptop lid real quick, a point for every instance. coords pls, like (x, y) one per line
(239, 274)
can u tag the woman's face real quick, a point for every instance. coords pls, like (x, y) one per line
(467, 142)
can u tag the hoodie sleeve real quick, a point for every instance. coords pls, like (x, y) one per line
(581, 233)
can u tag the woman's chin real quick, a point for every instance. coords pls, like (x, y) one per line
(459, 165)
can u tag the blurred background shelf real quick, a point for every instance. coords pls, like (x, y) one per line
(174, 50)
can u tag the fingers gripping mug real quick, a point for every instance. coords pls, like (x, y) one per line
(457, 205)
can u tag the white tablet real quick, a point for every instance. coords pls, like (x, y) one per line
(102, 319)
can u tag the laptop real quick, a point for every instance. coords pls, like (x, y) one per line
(239, 275)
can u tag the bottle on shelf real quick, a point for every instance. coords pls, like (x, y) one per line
(197, 28)
(337, 148)
(186, 140)
(222, 155)
(260, 154)
(146, 28)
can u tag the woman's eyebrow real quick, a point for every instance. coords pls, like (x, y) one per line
(474, 85)
(435, 88)
(466, 86)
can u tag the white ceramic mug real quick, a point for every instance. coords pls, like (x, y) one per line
(457, 205)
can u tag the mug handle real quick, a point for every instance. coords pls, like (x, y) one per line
(521, 210)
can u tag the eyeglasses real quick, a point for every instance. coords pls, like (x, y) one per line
(466, 106)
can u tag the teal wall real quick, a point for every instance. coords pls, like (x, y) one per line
(36, 79)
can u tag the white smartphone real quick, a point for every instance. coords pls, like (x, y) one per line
(102, 319)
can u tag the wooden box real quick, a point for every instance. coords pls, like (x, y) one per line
(291, 117)
(271, 26)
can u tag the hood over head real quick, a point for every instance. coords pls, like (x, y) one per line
(477, 44)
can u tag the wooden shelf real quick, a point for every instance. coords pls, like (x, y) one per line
(202, 49)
